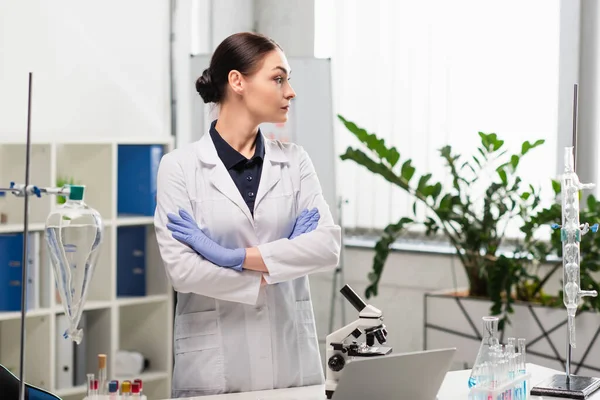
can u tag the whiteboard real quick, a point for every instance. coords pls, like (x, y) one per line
(310, 122)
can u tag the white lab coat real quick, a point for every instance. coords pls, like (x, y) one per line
(231, 334)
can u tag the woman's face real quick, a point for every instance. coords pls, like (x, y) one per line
(267, 92)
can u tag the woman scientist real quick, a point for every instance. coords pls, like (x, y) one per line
(241, 221)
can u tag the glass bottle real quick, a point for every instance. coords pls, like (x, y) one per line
(74, 233)
(489, 342)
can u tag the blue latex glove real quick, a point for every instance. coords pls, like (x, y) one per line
(186, 230)
(306, 222)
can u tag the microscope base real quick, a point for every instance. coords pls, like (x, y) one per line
(578, 387)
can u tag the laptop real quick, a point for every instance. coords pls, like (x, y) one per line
(411, 376)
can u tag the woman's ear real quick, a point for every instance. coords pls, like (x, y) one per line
(236, 81)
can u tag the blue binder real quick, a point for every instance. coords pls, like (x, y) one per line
(11, 268)
(137, 168)
(131, 261)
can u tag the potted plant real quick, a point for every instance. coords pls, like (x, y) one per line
(500, 281)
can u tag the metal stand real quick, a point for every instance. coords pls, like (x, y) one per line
(569, 386)
(25, 247)
(338, 274)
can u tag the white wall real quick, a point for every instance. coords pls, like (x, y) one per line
(99, 68)
(290, 23)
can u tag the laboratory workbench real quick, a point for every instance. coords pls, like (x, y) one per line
(454, 387)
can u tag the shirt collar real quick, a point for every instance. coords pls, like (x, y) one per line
(230, 156)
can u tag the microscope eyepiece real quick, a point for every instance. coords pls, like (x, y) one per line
(353, 298)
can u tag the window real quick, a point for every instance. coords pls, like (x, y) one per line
(423, 74)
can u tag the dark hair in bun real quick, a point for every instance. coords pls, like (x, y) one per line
(241, 52)
(206, 88)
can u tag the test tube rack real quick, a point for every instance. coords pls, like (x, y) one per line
(515, 389)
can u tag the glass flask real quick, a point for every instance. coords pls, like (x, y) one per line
(489, 343)
(74, 233)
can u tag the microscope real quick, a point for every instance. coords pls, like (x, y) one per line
(340, 351)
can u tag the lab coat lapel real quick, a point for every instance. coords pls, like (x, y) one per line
(271, 173)
(219, 176)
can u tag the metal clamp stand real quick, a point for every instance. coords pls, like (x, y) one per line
(569, 386)
(338, 273)
(26, 190)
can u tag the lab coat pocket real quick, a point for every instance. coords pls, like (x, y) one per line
(198, 354)
(308, 348)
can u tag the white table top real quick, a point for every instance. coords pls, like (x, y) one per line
(454, 387)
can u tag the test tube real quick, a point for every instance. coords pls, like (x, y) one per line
(126, 389)
(522, 361)
(135, 390)
(95, 391)
(102, 373)
(510, 352)
(90, 384)
(141, 385)
(113, 390)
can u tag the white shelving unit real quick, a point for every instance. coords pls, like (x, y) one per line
(141, 324)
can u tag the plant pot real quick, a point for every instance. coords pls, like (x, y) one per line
(452, 319)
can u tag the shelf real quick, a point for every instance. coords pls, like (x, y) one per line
(129, 301)
(134, 220)
(88, 306)
(96, 326)
(139, 325)
(11, 315)
(37, 343)
(15, 228)
(109, 323)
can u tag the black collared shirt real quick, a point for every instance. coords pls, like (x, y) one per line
(244, 172)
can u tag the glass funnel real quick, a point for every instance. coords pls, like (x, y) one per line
(489, 342)
(74, 233)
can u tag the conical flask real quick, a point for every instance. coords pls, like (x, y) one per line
(488, 343)
(74, 233)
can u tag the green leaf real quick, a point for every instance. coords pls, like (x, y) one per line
(372, 276)
(591, 202)
(392, 156)
(359, 157)
(382, 250)
(514, 161)
(482, 152)
(556, 186)
(446, 203)
(371, 140)
(498, 144)
(445, 151)
(502, 175)
(436, 190)
(538, 142)
(485, 140)
(407, 171)
(423, 183)
(526, 146)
